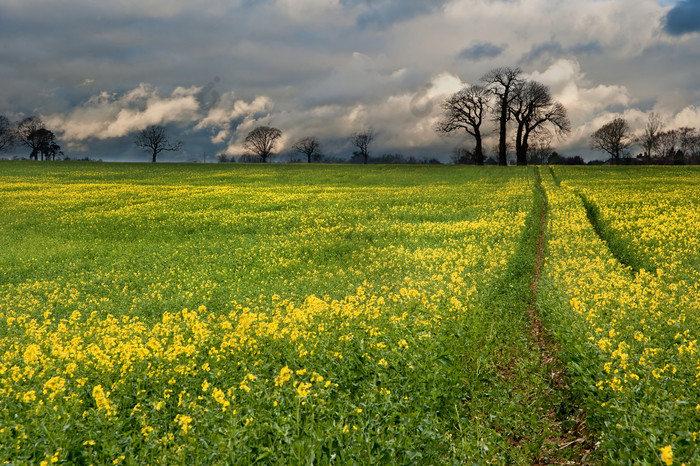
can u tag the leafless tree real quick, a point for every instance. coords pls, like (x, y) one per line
(500, 82)
(262, 141)
(362, 140)
(155, 140)
(535, 112)
(27, 133)
(614, 138)
(689, 144)
(7, 134)
(667, 143)
(466, 110)
(649, 140)
(309, 146)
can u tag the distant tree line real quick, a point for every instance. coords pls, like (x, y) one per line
(31, 133)
(526, 115)
(671, 147)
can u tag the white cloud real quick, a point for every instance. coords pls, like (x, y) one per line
(330, 67)
(107, 115)
(582, 99)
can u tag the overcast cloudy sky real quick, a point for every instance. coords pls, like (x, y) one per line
(97, 72)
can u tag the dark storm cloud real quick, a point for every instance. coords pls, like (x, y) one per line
(322, 67)
(586, 48)
(554, 49)
(383, 13)
(548, 49)
(683, 18)
(480, 50)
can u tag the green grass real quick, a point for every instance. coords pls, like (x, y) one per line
(234, 314)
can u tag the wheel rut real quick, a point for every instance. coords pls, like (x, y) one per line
(572, 441)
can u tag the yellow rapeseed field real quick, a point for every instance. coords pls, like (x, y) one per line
(343, 314)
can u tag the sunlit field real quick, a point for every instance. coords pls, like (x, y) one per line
(159, 314)
(625, 302)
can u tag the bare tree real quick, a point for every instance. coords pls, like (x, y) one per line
(649, 140)
(262, 141)
(27, 133)
(500, 82)
(667, 142)
(689, 143)
(535, 112)
(466, 110)
(7, 135)
(614, 138)
(155, 140)
(309, 146)
(362, 140)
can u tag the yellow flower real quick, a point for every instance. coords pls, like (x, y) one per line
(102, 400)
(285, 375)
(667, 455)
(303, 389)
(220, 398)
(184, 421)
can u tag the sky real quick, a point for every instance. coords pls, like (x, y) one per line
(97, 72)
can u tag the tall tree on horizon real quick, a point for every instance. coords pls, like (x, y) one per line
(262, 140)
(466, 110)
(155, 140)
(362, 140)
(534, 110)
(310, 147)
(649, 140)
(614, 138)
(501, 81)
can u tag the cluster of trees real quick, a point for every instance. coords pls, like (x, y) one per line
(677, 146)
(507, 98)
(31, 133)
(262, 141)
(503, 97)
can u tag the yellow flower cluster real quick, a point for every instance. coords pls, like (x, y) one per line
(142, 304)
(635, 327)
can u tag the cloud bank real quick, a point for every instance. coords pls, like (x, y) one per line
(97, 72)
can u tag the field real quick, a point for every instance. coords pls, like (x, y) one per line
(345, 314)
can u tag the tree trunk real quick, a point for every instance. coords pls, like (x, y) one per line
(519, 145)
(478, 150)
(155, 154)
(522, 157)
(521, 150)
(502, 159)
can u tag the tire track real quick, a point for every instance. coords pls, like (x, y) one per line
(572, 440)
